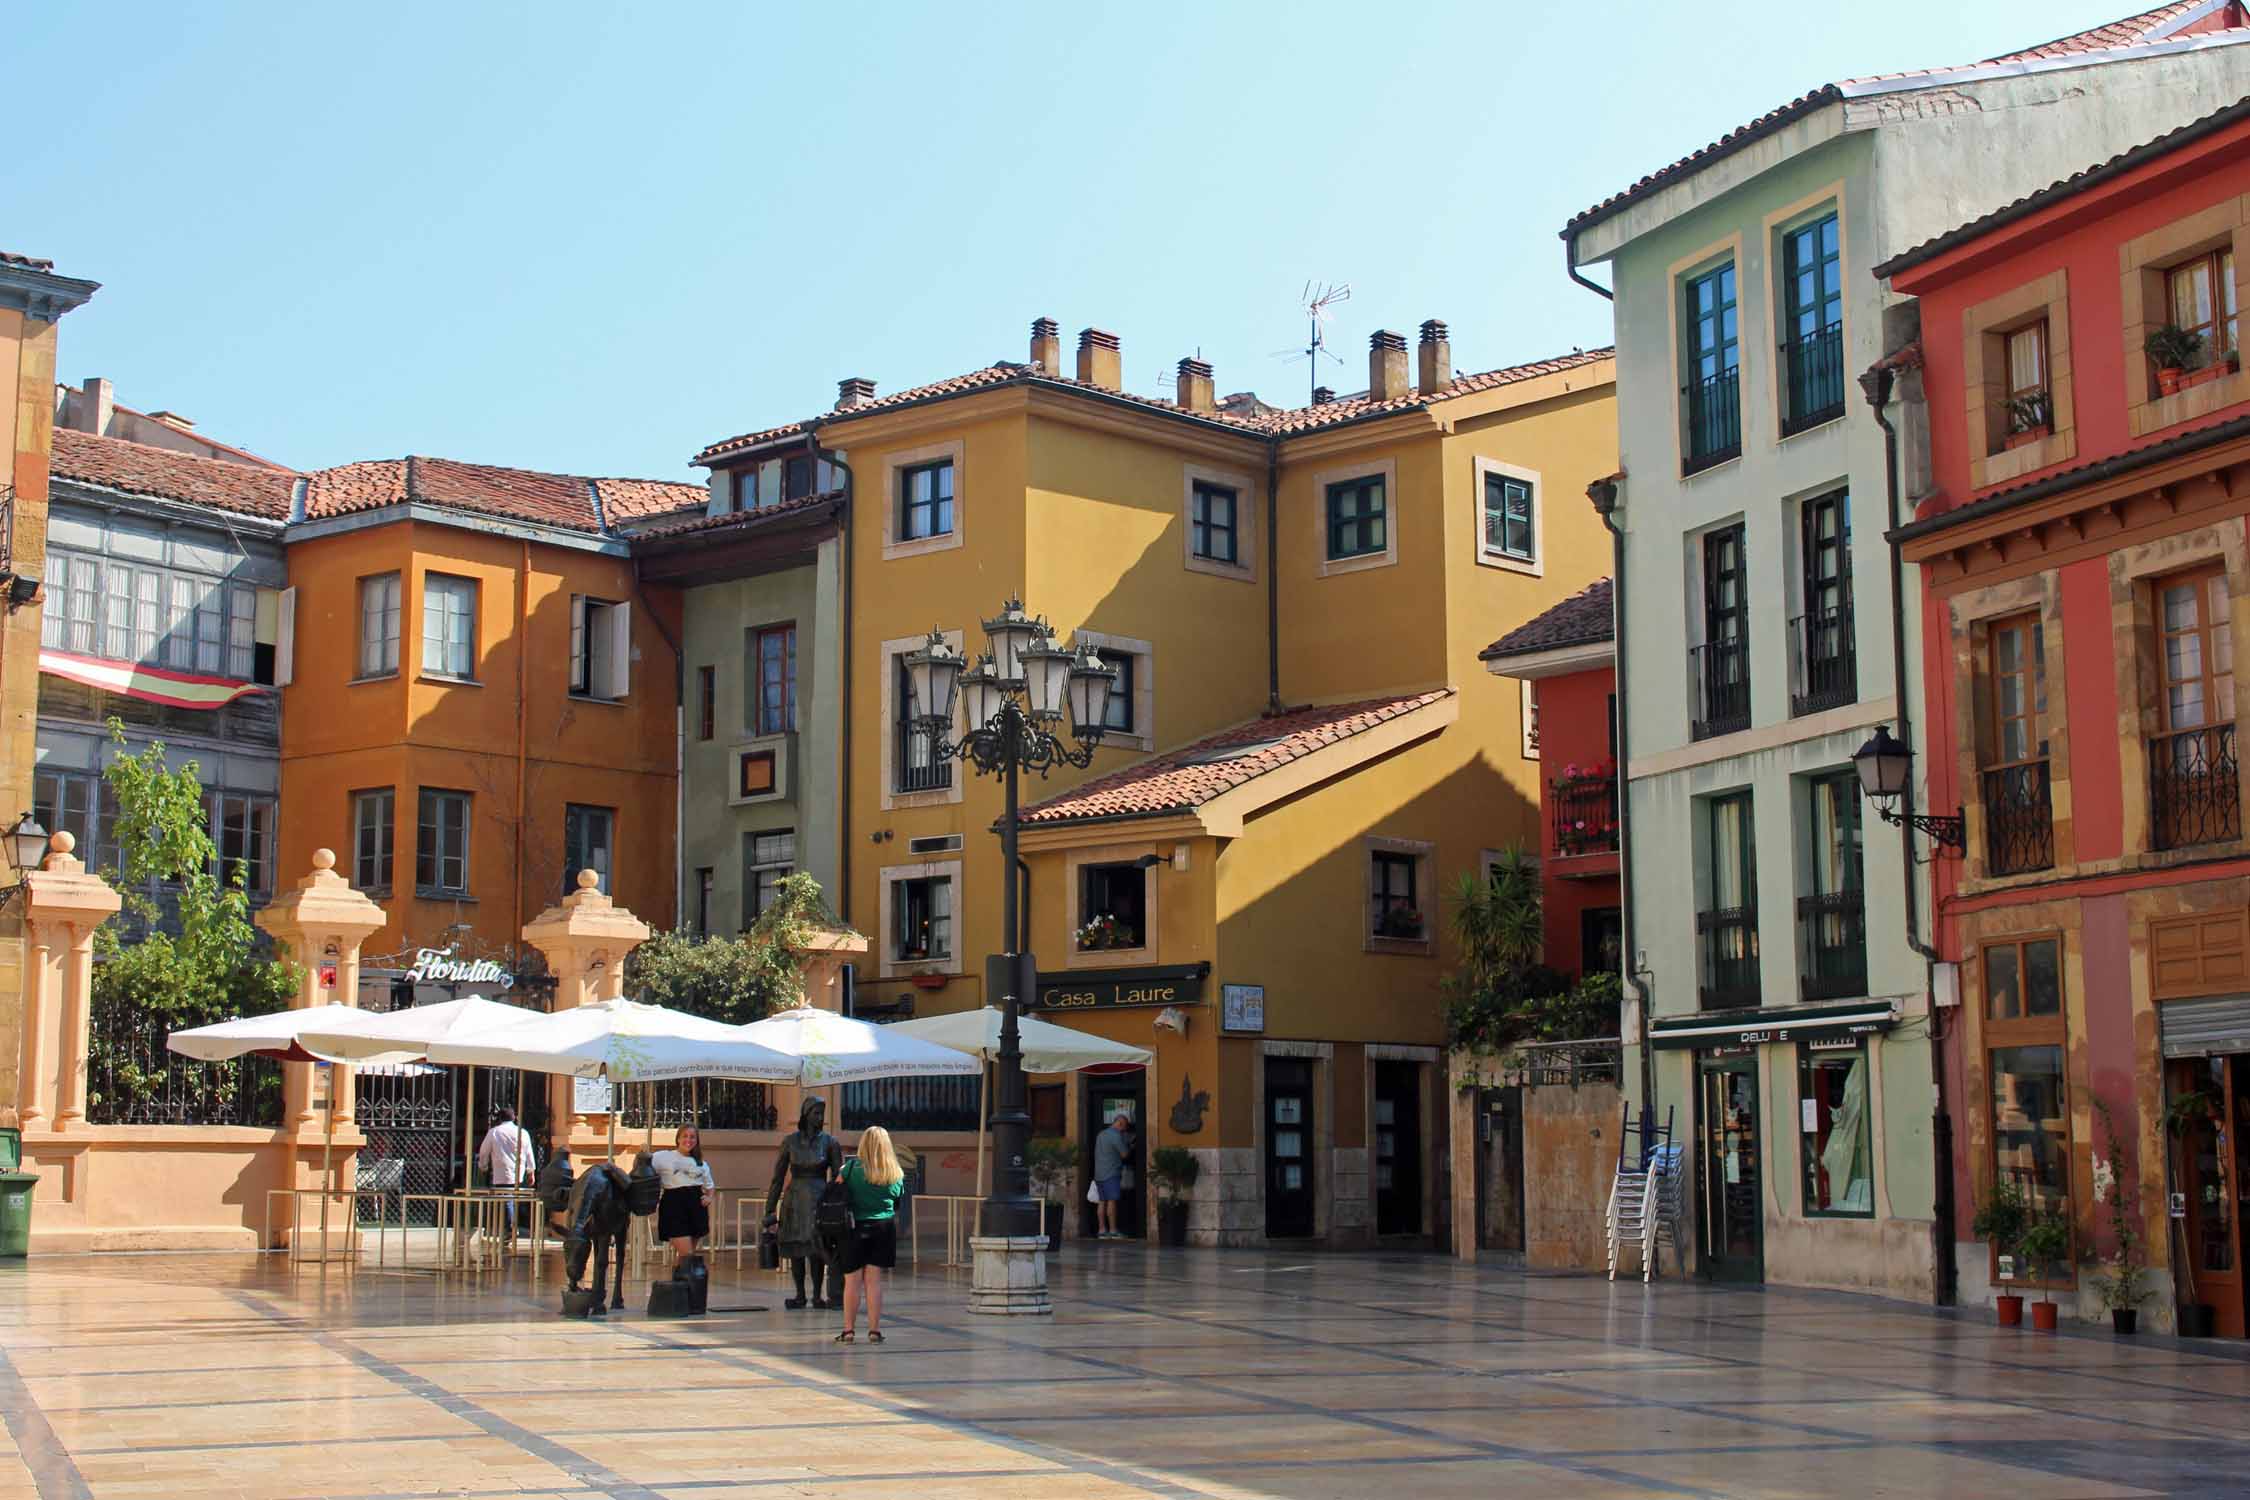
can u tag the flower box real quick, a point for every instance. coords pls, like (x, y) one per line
(2026, 437)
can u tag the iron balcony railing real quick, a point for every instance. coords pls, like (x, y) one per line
(1584, 812)
(1815, 366)
(1832, 935)
(132, 1079)
(1729, 940)
(2019, 819)
(919, 769)
(1720, 671)
(2195, 787)
(1714, 419)
(1823, 663)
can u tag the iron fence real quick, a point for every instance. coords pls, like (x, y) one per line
(707, 1104)
(2019, 819)
(1714, 420)
(1823, 662)
(1570, 1064)
(131, 1079)
(1815, 367)
(1729, 940)
(2195, 787)
(1721, 673)
(912, 1104)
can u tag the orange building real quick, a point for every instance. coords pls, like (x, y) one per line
(481, 699)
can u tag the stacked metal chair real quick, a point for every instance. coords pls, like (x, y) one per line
(1645, 1197)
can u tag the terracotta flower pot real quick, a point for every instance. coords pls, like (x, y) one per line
(2043, 1316)
(2010, 1308)
(929, 981)
(2198, 377)
(2168, 379)
(2026, 437)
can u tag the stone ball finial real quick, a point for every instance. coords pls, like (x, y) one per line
(587, 880)
(63, 842)
(324, 859)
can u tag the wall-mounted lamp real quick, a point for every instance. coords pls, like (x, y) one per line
(21, 591)
(27, 847)
(1884, 763)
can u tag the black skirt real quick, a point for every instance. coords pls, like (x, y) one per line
(874, 1243)
(680, 1214)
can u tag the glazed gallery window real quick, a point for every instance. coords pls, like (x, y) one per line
(925, 501)
(587, 841)
(374, 824)
(449, 626)
(441, 844)
(1396, 908)
(82, 804)
(1837, 1151)
(1212, 532)
(1357, 518)
(767, 859)
(601, 648)
(922, 919)
(1508, 531)
(2200, 297)
(378, 625)
(242, 828)
(773, 653)
(1112, 907)
(160, 617)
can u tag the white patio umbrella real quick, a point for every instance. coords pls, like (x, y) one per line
(827, 1048)
(281, 1034)
(1047, 1048)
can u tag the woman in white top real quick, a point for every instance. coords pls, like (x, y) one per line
(683, 1214)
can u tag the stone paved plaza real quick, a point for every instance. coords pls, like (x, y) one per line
(1183, 1373)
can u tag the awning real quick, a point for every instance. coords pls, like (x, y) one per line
(1794, 1023)
(151, 684)
(2204, 1026)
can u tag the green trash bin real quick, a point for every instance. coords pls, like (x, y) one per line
(15, 1213)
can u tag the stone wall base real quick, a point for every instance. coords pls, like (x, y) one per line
(1010, 1279)
(204, 1237)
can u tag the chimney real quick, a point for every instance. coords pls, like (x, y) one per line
(1098, 358)
(1046, 346)
(1386, 366)
(93, 408)
(854, 390)
(1435, 356)
(1196, 393)
(1322, 395)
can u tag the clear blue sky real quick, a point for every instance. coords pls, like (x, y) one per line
(594, 238)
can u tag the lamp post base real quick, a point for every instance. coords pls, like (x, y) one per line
(1010, 1278)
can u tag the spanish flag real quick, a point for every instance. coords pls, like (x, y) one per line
(152, 684)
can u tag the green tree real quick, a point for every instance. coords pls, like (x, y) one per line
(736, 979)
(1502, 994)
(159, 970)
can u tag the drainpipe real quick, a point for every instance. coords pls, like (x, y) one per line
(843, 902)
(1603, 492)
(523, 726)
(679, 748)
(1273, 576)
(1876, 385)
(1570, 264)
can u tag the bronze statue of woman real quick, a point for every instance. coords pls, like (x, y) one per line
(809, 1156)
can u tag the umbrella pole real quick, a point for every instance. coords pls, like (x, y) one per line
(327, 1164)
(984, 1104)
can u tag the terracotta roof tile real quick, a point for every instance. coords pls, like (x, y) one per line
(564, 500)
(28, 262)
(1194, 774)
(1267, 423)
(142, 469)
(698, 521)
(1583, 619)
(633, 499)
(2160, 24)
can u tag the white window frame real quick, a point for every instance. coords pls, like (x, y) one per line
(438, 589)
(1387, 470)
(1142, 736)
(601, 649)
(1534, 566)
(895, 465)
(888, 793)
(385, 607)
(1246, 522)
(889, 965)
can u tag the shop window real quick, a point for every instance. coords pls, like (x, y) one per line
(378, 625)
(2024, 1037)
(374, 828)
(1838, 1149)
(1112, 907)
(588, 839)
(449, 626)
(601, 648)
(767, 860)
(441, 844)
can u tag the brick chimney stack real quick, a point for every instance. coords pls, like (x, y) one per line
(1046, 346)
(1195, 389)
(854, 390)
(1386, 366)
(1435, 356)
(91, 409)
(1098, 358)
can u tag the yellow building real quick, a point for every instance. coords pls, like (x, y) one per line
(1290, 599)
(32, 301)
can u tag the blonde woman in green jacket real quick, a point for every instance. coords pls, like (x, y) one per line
(870, 1250)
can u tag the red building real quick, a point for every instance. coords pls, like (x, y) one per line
(1566, 660)
(2080, 539)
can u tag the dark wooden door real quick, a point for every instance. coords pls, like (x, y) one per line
(1289, 1148)
(1398, 1148)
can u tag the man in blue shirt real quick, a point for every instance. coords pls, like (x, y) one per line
(1111, 1149)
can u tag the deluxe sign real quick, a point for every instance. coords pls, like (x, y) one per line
(1118, 989)
(439, 966)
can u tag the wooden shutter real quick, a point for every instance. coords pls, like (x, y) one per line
(620, 674)
(578, 682)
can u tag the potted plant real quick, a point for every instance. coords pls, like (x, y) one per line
(1054, 1167)
(2030, 417)
(1173, 1169)
(1103, 932)
(2001, 1221)
(2122, 1282)
(928, 979)
(2046, 1242)
(2172, 349)
(1401, 922)
(2183, 1113)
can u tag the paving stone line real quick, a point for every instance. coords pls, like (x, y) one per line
(52, 1472)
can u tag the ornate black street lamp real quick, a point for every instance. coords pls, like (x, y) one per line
(1884, 763)
(1011, 704)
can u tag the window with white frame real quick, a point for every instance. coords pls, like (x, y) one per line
(601, 648)
(374, 825)
(767, 859)
(449, 626)
(588, 839)
(155, 616)
(1508, 528)
(378, 625)
(441, 844)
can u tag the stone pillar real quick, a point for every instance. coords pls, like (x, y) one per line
(821, 975)
(63, 905)
(319, 925)
(584, 938)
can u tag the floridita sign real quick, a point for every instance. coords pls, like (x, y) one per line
(439, 966)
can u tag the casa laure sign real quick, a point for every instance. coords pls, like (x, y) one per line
(1121, 989)
(1817, 1027)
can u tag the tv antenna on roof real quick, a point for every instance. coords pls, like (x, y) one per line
(1318, 298)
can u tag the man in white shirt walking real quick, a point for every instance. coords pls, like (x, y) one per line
(507, 1156)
